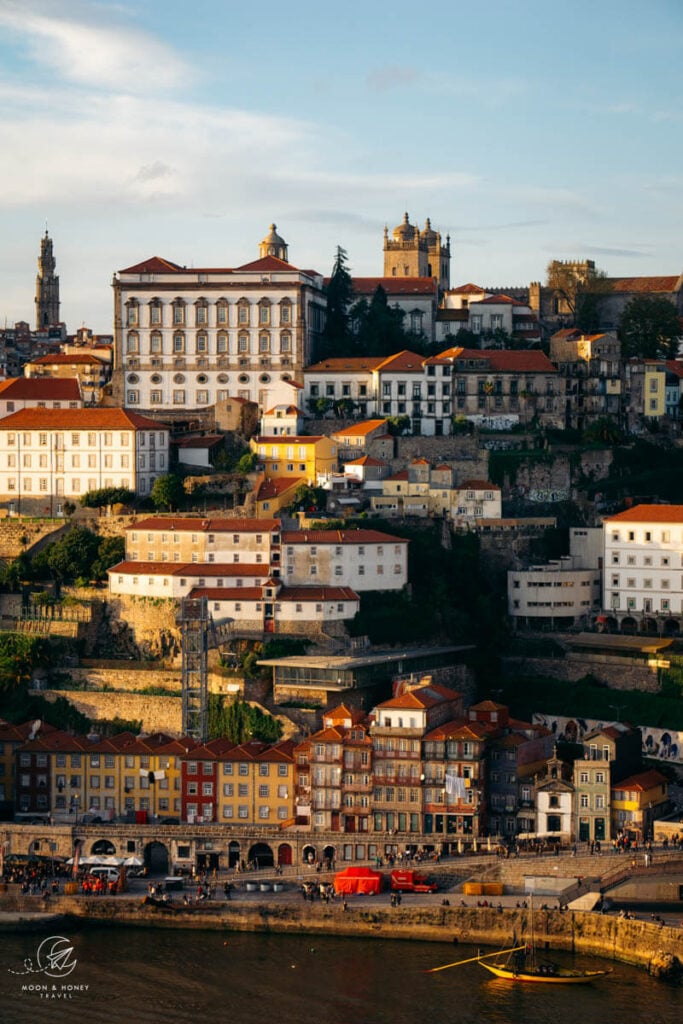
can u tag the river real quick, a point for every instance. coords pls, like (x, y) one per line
(146, 976)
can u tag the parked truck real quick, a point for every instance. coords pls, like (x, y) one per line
(411, 881)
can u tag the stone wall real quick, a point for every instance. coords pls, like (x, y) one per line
(152, 622)
(616, 673)
(15, 530)
(157, 714)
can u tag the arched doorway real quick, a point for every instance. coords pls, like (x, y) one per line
(308, 855)
(329, 856)
(649, 626)
(284, 855)
(672, 627)
(261, 856)
(629, 625)
(233, 853)
(156, 858)
(103, 847)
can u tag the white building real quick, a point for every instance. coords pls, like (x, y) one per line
(39, 393)
(643, 585)
(360, 559)
(175, 581)
(49, 456)
(186, 338)
(564, 592)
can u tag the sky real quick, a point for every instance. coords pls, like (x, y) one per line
(527, 131)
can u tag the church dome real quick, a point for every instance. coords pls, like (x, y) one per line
(273, 244)
(405, 232)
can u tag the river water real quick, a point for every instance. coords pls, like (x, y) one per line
(145, 976)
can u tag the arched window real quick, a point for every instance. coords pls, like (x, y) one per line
(155, 342)
(155, 314)
(132, 341)
(264, 343)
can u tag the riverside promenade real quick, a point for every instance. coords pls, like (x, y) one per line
(653, 942)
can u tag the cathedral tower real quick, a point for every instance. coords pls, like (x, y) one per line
(47, 287)
(273, 245)
(414, 253)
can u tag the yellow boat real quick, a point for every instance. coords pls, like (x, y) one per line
(549, 973)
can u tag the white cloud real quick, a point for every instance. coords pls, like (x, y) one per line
(89, 48)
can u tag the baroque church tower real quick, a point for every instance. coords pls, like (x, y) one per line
(414, 253)
(47, 287)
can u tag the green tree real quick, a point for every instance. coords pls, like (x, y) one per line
(20, 653)
(70, 557)
(650, 329)
(167, 492)
(110, 551)
(378, 326)
(579, 288)
(398, 425)
(107, 496)
(247, 463)
(336, 339)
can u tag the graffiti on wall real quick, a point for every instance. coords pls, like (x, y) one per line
(662, 744)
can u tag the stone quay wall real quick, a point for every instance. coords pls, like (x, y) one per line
(629, 941)
(617, 673)
(157, 714)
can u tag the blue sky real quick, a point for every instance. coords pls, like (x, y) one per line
(526, 130)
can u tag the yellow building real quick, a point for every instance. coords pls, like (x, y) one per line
(637, 801)
(256, 784)
(295, 456)
(273, 495)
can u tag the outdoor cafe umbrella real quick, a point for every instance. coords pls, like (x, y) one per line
(133, 862)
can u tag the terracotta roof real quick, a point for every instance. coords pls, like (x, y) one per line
(466, 289)
(299, 594)
(340, 537)
(460, 728)
(644, 284)
(290, 410)
(478, 485)
(267, 263)
(648, 514)
(348, 364)
(288, 439)
(365, 460)
(675, 366)
(208, 441)
(498, 300)
(227, 569)
(64, 359)
(53, 389)
(277, 486)
(394, 285)
(642, 780)
(505, 361)
(360, 429)
(401, 475)
(78, 419)
(402, 362)
(426, 696)
(154, 265)
(180, 524)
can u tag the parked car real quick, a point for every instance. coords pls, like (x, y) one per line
(107, 874)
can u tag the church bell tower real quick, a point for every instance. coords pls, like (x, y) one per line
(47, 287)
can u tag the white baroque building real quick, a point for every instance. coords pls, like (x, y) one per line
(49, 456)
(186, 338)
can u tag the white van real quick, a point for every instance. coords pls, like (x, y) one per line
(107, 874)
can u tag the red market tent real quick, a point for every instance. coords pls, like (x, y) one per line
(358, 880)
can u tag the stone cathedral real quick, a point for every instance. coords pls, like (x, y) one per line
(47, 287)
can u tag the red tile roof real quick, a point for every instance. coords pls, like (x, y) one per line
(402, 362)
(346, 364)
(267, 263)
(339, 537)
(360, 429)
(64, 359)
(78, 419)
(504, 361)
(644, 284)
(299, 594)
(426, 696)
(154, 265)
(277, 486)
(40, 389)
(211, 569)
(208, 441)
(466, 289)
(648, 514)
(642, 780)
(365, 460)
(180, 524)
(394, 285)
(288, 439)
(478, 485)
